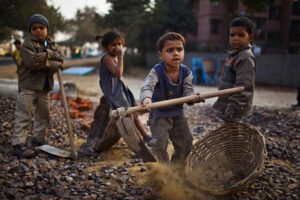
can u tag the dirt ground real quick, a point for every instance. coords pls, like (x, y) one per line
(264, 95)
(88, 85)
(269, 96)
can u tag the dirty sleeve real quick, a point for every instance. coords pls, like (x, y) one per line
(55, 53)
(188, 87)
(28, 55)
(245, 77)
(149, 85)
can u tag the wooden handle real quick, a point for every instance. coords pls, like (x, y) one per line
(70, 132)
(177, 101)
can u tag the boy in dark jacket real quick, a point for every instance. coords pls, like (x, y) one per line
(238, 71)
(169, 79)
(41, 58)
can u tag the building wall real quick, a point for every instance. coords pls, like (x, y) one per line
(275, 25)
(205, 12)
(281, 70)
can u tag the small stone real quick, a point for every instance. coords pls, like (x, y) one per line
(133, 192)
(28, 153)
(29, 183)
(293, 186)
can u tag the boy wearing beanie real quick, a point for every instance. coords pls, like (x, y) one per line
(41, 58)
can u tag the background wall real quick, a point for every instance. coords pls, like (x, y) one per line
(281, 70)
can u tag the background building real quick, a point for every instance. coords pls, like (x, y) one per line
(277, 26)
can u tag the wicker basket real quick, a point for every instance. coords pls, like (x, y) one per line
(227, 158)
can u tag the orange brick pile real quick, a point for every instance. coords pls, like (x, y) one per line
(76, 106)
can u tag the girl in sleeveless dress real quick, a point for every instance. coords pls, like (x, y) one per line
(111, 71)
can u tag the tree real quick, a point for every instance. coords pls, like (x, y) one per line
(144, 21)
(86, 25)
(170, 15)
(129, 17)
(14, 15)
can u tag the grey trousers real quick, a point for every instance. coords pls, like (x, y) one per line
(175, 129)
(27, 100)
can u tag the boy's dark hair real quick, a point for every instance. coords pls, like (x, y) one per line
(169, 36)
(243, 22)
(17, 42)
(110, 36)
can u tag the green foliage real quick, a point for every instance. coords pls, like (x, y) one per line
(171, 15)
(144, 21)
(130, 17)
(14, 15)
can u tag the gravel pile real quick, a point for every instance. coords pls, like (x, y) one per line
(281, 128)
(48, 177)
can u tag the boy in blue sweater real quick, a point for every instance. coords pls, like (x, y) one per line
(169, 79)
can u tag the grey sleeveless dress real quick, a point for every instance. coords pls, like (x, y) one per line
(114, 89)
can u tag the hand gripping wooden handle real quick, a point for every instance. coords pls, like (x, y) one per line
(177, 101)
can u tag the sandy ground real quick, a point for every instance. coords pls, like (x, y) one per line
(270, 96)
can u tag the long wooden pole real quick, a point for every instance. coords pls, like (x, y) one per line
(64, 99)
(177, 101)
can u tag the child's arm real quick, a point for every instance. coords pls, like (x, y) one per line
(188, 87)
(245, 77)
(55, 58)
(14, 57)
(116, 68)
(28, 54)
(36, 60)
(55, 53)
(148, 86)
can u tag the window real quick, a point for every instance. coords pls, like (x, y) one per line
(273, 36)
(214, 26)
(263, 10)
(274, 13)
(296, 8)
(260, 28)
(214, 3)
(295, 31)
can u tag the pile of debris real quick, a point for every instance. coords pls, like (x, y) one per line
(110, 175)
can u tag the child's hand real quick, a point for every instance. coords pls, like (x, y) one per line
(199, 99)
(40, 57)
(118, 51)
(145, 103)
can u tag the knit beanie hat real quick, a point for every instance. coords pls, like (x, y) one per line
(37, 18)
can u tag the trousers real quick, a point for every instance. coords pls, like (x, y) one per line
(174, 128)
(28, 102)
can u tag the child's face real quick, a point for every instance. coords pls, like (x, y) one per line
(39, 31)
(172, 53)
(18, 46)
(115, 46)
(239, 37)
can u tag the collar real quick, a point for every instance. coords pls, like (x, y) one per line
(232, 51)
(48, 39)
